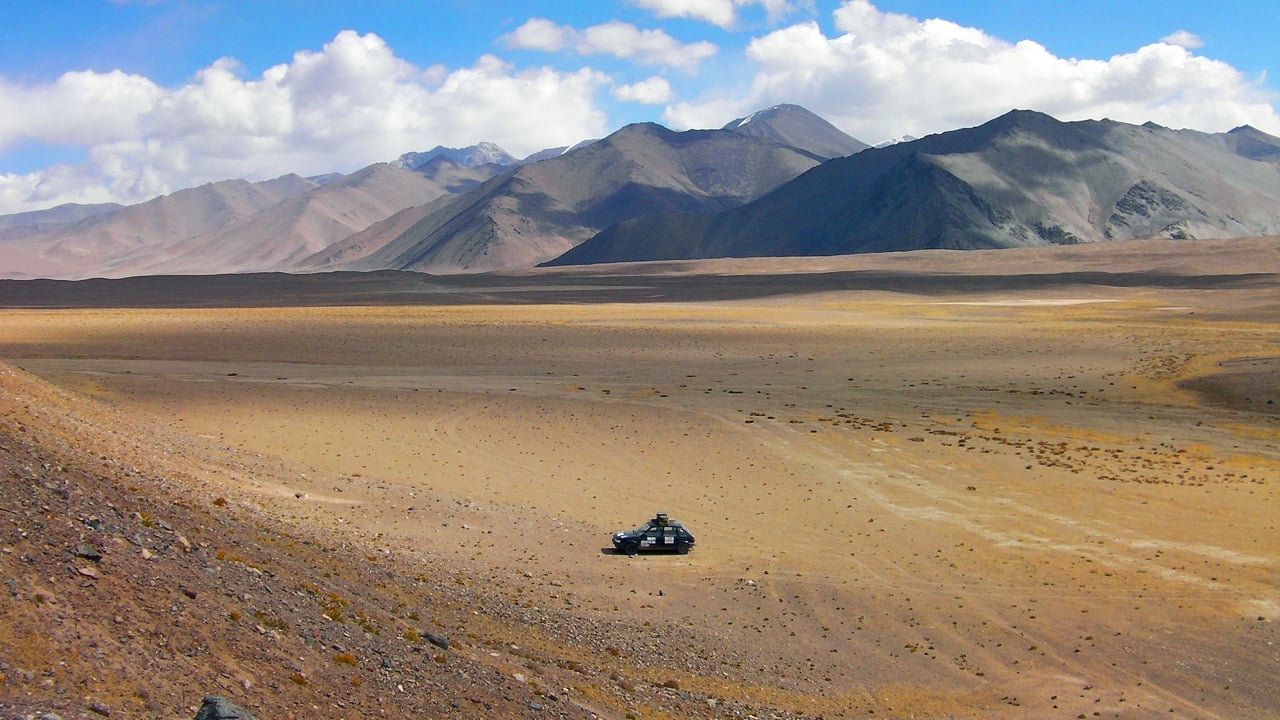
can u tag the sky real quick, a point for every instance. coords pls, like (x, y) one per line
(124, 100)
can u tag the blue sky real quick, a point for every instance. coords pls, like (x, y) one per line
(125, 99)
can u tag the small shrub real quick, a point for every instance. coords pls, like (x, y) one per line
(345, 658)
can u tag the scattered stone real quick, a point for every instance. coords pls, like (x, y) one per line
(439, 641)
(216, 707)
(89, 552)
(88, 572)
(98, 707)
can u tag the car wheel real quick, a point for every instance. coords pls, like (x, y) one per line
(682, 548)
(631, 548)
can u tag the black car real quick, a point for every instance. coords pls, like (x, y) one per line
(660, 533)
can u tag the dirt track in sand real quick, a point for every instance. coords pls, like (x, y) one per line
(969, 505)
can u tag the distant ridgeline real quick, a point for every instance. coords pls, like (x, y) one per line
(780, 182)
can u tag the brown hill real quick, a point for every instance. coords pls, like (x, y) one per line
(233, 226)
(94, 247)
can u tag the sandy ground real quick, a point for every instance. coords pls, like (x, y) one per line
(1019, 503)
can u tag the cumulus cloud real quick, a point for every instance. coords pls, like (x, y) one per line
(350, 104)
(651, 91)
(723, 13)
(885, 75)
(107, 105)
(539, 34)
(617, 38)
(1182, 38)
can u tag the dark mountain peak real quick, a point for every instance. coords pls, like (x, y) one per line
(795, 126)
(1254, 134)
(1025, 120)
(772, 113)
(641, 129)
(1254, 144)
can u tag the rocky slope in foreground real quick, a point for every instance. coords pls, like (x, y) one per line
(131, 588)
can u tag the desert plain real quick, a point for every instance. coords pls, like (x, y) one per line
(1036, 483)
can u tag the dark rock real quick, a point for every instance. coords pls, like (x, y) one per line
(439, 641)
(216, 707)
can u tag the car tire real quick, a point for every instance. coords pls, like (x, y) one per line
(682, 548)
(631, 548)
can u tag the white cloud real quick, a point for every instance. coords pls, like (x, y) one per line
(1182, 38)
(345, 106)
(623, 40)
(723, 13)
(652, 91)
(539, 34)
(887, 75)
(77, 108)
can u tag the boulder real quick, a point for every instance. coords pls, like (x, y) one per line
(216, 707)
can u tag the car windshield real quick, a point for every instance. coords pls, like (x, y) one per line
(647, 526)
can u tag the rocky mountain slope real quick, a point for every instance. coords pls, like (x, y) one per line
(538, 211)
(1023, 179)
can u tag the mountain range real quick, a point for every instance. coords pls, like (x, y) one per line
(539, 211)
(1023, 179)
(779, 182)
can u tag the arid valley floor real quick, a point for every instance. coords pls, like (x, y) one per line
(1035, 484)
